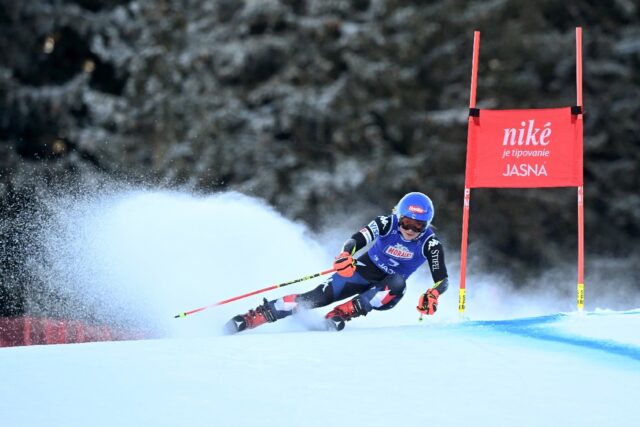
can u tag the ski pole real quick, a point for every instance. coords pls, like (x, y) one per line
(280, 285)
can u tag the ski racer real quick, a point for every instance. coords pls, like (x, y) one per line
(400, 243)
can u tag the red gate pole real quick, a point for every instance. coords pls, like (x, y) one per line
(580, 288)
(467, 190)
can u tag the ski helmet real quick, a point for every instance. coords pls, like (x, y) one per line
(415, 206)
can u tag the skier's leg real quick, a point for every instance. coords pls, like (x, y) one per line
(289, 304)
(385, 294)
(333, 289)
(382, 296)
(277, 309)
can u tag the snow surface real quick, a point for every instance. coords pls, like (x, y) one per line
(146, 256)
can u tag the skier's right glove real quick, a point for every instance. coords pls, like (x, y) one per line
(344, 264)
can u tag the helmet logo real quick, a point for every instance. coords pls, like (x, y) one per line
(416, 209)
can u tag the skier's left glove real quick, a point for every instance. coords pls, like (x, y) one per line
(428, 302)
(344, 264)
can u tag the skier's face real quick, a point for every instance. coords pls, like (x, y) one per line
(411, 228)
(408, 234)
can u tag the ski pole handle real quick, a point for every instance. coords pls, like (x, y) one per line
(269, 288)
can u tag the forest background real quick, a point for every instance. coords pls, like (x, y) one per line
(328, 110)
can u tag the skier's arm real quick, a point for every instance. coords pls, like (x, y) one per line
(380, 226)
(354, 244)
(434, 253)
(441, 286)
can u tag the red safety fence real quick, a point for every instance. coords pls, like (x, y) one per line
(16, 331)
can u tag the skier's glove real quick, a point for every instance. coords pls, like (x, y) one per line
(428, 302)
(344, 264)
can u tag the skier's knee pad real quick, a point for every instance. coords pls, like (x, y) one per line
(396, 286)
(395, 283)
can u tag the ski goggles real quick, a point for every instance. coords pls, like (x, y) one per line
(413, 224)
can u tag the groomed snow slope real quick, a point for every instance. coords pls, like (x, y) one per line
(553, 370)
(142, 257)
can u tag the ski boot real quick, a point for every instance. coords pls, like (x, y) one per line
(252, 319)
(336, 318)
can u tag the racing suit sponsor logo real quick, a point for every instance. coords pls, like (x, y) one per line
(384, 220)
(367, 234)
(382, 266)
(386, 268)
(373, 226)
(398, 251)
(432, 243)
(435, 260)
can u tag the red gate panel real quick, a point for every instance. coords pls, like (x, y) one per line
(524, 149)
